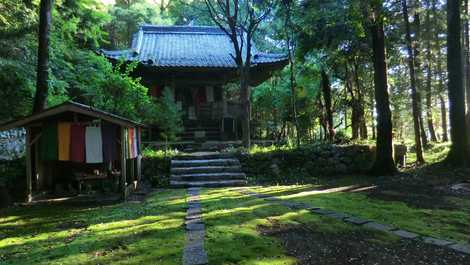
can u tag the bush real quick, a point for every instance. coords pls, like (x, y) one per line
(157, 171)
(12, 180)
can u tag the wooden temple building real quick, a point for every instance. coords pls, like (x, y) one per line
(195, 63)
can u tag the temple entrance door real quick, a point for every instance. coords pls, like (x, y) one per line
(202, 112)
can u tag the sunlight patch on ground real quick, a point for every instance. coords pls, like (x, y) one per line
(450, 224)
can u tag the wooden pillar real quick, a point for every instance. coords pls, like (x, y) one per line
(123, 163)
(29, 171)
(139, 159)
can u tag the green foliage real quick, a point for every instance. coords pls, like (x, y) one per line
(119, 93)
(168, 117)
(127, 16)
(15, 85)
(156, 169)
(152, 153)
(12, 173)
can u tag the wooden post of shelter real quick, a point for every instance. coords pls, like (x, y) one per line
(139, 161)
(29, 171)
(123, 163)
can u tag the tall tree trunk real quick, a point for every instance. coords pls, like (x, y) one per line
(445, 137)
(290, 44)
(360, 95)
(432, 132)
(246, 105)
(458, 154)
(326, 90)
(467, 64)
(355, 119)
(384, 164)
(414, 94)
(418, 76)
(42, 87)
(371, 110)
(440, 77)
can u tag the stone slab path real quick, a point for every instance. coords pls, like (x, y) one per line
(461, 248)
(194, 252)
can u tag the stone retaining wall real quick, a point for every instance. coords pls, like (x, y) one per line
(308, 161)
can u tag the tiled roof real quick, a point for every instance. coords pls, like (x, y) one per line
(186, 46)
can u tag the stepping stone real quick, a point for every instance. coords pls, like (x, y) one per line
(405, 234)
(436, 241)
(290, 204)
(193, 221)
(378, 226)
(302, 206)
(193, 211)
(321, 211)
(192, 200)
(195, 255)
(356, 220)
(463, 248)
(195, 227)
(194, 216)
(272, 199)
(193, 205)
(195, 236)
(339, 216)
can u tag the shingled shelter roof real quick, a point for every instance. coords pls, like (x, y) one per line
(187, 46)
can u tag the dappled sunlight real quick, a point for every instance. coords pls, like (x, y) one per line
(119, 234)
(353, 199)
(352, 188)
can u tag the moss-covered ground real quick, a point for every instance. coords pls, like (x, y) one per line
(147, 233)
(449, 223)
(240, 229)
(234, 225)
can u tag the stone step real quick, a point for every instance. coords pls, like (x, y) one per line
(211, 169)
(204, 163)
(204, 156)
(208, 184)
(209, 176)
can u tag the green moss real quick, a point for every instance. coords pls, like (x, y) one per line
(450, 224)
(233, 224)
(151, 232)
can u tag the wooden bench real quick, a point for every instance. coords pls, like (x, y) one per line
(82, 178)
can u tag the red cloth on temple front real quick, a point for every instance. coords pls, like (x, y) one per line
(77, 143)
(201, 96)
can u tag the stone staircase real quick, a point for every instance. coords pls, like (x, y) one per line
(206, 169)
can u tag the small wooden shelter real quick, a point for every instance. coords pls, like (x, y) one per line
(43, 175)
